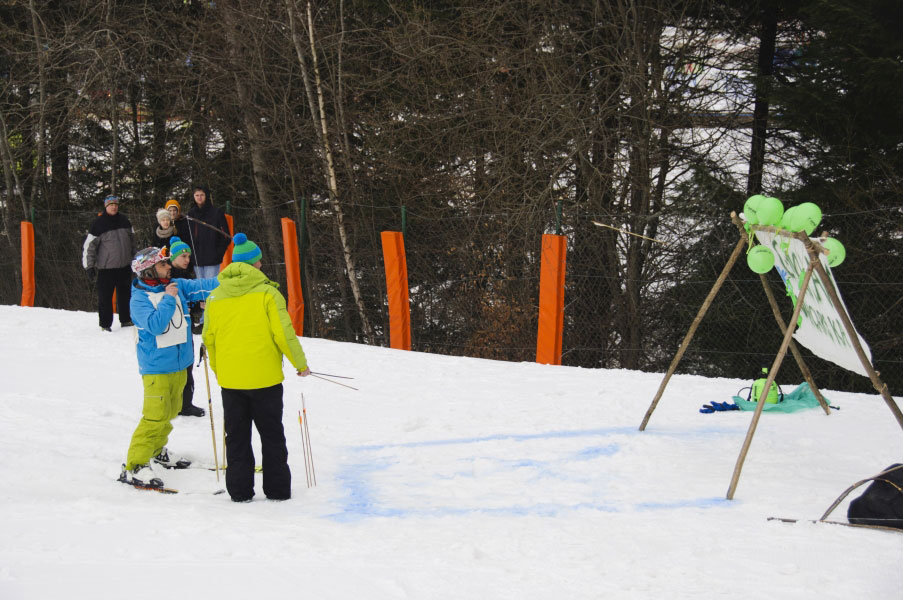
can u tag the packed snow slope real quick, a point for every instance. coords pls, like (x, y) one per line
(442, 477)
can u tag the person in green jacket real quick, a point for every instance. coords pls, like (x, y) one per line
(247, 331)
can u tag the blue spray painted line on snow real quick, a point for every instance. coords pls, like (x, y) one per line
(362, 506)
(533, 510)
(362, 499)
(694, 503)
(597, 451)
(522, 437)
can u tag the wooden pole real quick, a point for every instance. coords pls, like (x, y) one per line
(772, 374)
(794, 349)
(776, 310)
(878, 384)
(738, 249)
(210, 410)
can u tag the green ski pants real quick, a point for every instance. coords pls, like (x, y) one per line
(162, 403)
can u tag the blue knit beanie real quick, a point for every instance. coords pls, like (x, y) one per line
(245, 250)
(177, 247)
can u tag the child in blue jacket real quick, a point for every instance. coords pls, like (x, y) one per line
(159, 310)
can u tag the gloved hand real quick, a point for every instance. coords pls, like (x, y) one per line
(92, 272)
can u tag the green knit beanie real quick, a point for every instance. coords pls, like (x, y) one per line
(177, 247)
(245, 250)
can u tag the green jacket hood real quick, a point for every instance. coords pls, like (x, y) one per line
(239, 278)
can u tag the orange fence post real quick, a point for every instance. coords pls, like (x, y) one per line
(551, 299)
(227, 259)
(397, 290)
(293, 274)
(28, 286)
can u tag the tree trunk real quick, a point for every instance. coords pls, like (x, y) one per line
(158, 145)
(41, 128)
(765, 68)
(329, 167)
(255, 139)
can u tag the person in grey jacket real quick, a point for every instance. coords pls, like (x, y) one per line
(107, 254)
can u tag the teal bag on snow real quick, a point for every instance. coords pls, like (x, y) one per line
(801, 398)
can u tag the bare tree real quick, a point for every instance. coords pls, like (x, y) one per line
(318, 114)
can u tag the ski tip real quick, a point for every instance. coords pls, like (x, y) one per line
(150, 488)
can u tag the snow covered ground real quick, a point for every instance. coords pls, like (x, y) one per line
(442, 477)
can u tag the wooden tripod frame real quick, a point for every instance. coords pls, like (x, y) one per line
(813, 249)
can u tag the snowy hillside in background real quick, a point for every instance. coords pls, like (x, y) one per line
(442, 477)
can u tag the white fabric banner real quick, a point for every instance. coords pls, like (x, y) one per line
(821, 329)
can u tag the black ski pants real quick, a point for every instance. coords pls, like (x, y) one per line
(263, 407)
(188, 391)
(107, 281)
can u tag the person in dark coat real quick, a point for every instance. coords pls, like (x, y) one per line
(179, 257)
(208, 242)
(107, 255)
(178, 220)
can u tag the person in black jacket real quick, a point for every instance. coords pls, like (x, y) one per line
(208, 242)
(178, 219)
(107, 254)
(179, 258)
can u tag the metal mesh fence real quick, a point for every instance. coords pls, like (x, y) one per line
(474, 289)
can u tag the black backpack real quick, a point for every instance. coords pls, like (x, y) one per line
(882, 501)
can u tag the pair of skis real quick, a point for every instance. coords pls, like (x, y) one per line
(162, 489)
(151, 488)
(310, 472)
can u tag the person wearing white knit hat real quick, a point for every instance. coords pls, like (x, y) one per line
(165, 230)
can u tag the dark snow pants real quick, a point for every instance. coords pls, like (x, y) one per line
(263, 407)
(107, 281)
(188, 392)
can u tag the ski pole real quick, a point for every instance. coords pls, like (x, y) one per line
(328, 375)
(310, 453)
(210, 408)
(304, 450)
(335, 382)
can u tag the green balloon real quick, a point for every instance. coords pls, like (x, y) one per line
(760, 259)
(837, 253)
(751, 209)
(770, 211)
(787, 219)
(806, 217)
